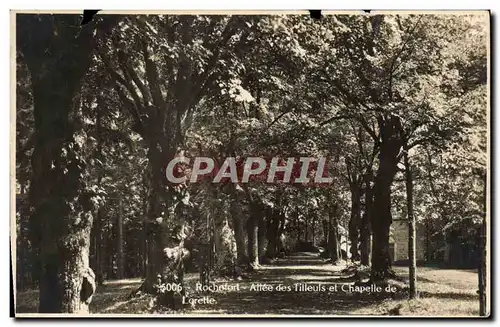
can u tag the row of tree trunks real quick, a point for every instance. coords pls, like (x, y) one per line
(390, 147)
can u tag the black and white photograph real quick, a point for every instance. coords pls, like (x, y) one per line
(250, 164)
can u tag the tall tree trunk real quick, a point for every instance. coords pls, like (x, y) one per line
(272, 234)
(156, 216)
(313, 230)
(21, 251)
(239, 231)
(256, 209)
(296, 224)
(364, 241)
(108, 254)
(281, 229)
(97, 245)
(20, 257)
(326, 231)
(365, 228)
(482, 271)
(165, 244)
(306, 229)
(58, 53)
(261, 237)
(411, 226)
(144, 232)
(119, 245)
(333, 236)
(390, 132)
(253, 237)
(144, 249)
(354, 222)
(97, 231)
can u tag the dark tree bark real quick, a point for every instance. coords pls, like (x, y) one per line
(159, 236)
(58, 54)
(171, 262)
(365, 228)
(253, 237)
(281, 230)
(273, 235)
(355, 221)
(120, 257)
(239, 233)
(411, 226)
(154, 226)
(97, 231)
(96, 263)
(144, 232)
(256, 211)
(166, 250)
(306, 229)
(334, 245)
(333, 236)
(364, 240)
(326, 231)
(354, 178)
(313, 229)
(390, 147)
(262, 239)
(482, 271)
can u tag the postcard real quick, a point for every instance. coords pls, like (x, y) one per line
(251, 164)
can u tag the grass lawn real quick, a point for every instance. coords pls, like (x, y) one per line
(442, 292)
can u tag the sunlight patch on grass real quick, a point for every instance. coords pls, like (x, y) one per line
(136, 305)
(305, 278)
(325, 267)
(124, 281)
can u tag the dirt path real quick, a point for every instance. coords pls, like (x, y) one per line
(288, 279)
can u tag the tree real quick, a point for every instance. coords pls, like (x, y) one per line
(411, 225)
(58, 56)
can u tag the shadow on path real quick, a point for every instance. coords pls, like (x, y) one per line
(301, 284)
